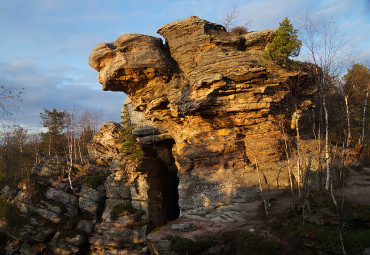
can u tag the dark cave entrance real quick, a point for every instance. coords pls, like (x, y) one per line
(163, 183)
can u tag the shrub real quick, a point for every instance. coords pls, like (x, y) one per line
(93, 181)
(249, 243)
(239, 30)
(122, 209)
(129, 145)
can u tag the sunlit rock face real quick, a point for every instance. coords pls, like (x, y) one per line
(219, 100)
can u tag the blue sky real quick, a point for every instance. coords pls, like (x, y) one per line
(45, 44)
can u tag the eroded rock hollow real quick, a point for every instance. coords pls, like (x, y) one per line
(224, 106)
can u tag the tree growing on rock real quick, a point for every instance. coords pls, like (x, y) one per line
(284, 45)
(129, 145)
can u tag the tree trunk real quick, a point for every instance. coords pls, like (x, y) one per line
(49, 143)
(79, 149)
(260, 184)
(313, 123)
(364, 119)
(298, 151)
(289, 169)
(348, 122)
(327, 157)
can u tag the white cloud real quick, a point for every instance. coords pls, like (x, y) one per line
(56, 87)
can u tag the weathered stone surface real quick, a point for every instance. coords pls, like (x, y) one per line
(218, 99)
(61, 196)
(89, 206)
(91, 200)
(96, 195)
(117, 190)
(85, 226)
(145, 131)
(105, 144)
(47, 214)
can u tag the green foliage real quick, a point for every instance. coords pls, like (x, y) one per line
(122, 209)
(53, 140)
(356, 81)
(284, 45)
(94, 181)
(185, 246)
(129, 145)
(357, 212)
(355, 87)
(356, 241)
(249, 243)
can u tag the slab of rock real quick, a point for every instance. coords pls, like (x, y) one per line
(61, 196)
(145, 131)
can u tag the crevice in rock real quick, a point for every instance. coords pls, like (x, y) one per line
(163, 184)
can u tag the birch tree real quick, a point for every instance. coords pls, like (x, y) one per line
(356, 86)
(324, 47)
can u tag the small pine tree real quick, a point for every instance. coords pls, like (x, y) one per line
(284, 45)
(129, 145)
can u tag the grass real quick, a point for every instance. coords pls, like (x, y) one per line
(357, 212)
(253, 244)
(326, 238)
(185, 246)
(123, 209)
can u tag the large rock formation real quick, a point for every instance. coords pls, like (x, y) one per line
(221, 102)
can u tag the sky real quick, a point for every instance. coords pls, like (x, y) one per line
(45, 44)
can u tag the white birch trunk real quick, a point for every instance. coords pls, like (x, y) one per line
(289, 169)
(348, 122)
(49, 143)
(298, 150)
(364, 119)
(327, 156)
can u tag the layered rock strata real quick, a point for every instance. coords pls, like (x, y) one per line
(221, 103)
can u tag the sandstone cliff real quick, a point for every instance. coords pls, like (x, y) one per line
(219, 101)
